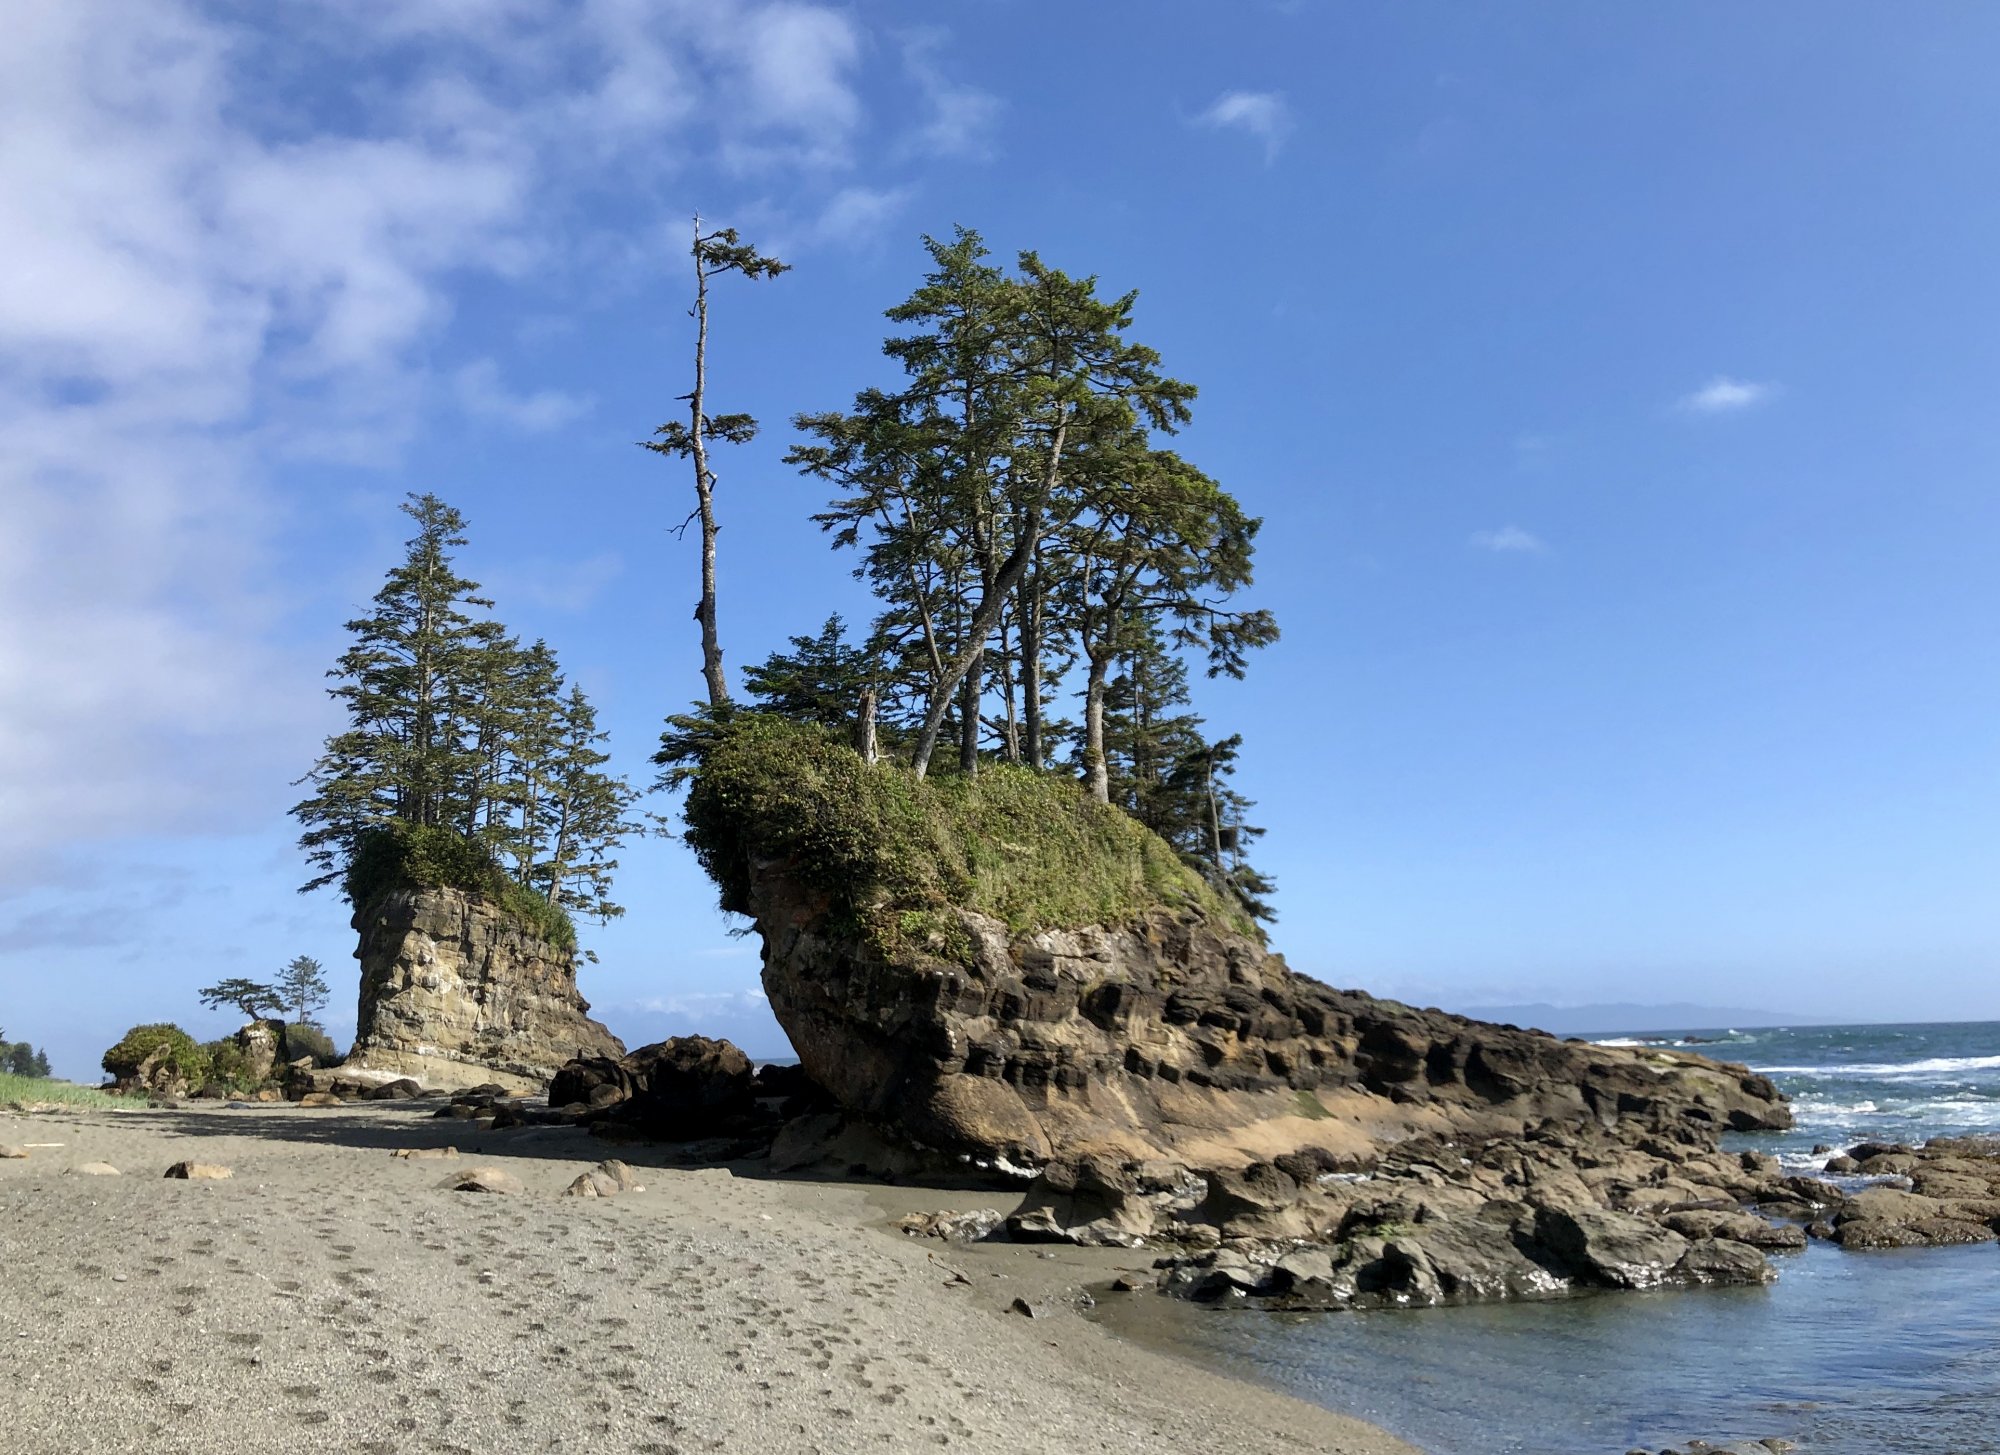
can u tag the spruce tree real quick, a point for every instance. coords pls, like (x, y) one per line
(951, 484)
(302, 989)
(820, 680)
(407, 683)
(456, 729)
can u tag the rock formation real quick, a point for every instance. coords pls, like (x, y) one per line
(1171, 1083)
(454, 991)
(1175, 1038)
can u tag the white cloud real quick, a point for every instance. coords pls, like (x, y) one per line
(960, 118)
(1509, 539)
(483, 396)
(856, 214)
(1262, 114)
(1724, 395)
(559, 585)
(206, 273)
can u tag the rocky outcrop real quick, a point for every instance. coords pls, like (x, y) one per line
(1177, 1039)
(687, 1089)
(454, 991)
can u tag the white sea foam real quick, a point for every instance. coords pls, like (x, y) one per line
(1937, 1066)
(1623, 1041)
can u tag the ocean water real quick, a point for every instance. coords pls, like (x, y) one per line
(1863, 1353)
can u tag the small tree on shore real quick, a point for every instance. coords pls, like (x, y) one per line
(254, 998)
(303, 989)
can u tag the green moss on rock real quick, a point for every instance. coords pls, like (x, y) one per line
(893, 853)
(424, 856)
(183, 1053)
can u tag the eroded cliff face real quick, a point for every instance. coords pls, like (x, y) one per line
(454, 992)
(1175, 1038)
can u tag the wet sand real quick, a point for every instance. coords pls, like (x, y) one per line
(330, 1296)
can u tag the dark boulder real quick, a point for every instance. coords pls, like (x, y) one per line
(687, 1088)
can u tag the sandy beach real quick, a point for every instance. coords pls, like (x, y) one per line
(332, 1296)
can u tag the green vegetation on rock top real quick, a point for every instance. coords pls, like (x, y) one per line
(893, 851)
(182, 1052)
(402, 855)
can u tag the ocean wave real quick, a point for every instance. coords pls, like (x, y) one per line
(1628, 1041)
(1820, 1108)
(1936, 1066)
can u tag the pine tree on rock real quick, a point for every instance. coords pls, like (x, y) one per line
(820, 680)
(455, 728)
(951, 484)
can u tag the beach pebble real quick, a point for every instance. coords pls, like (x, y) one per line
(481, 1179)
(416, 1154)
(197, 1172)
(94, 1169)
(1027, 1310)
(11, 1153)
(319, 1098)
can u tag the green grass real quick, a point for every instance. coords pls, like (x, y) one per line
(892, 854)
(418, 856)
(29, 1090)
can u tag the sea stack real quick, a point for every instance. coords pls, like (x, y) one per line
(455, 991)
(1174, 1036)
(1003, 970)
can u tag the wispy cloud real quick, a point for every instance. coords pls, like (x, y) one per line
(1509, 540)
(482, 395)
(1724, 395)
(1261, 114)
(854, 215)
(959, 118)
(211, 272)
(558, 585)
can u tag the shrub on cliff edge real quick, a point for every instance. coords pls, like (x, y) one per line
(402, 855)
(304, 1040)
(183, 1054)
(891, 850)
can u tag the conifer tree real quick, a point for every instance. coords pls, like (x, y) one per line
(253, 997)
(302, 989)
(454, 727)
(714, 253)
(952, 483)
(580, 815)
(820, 680)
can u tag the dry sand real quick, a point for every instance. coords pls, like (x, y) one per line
(329, 1296)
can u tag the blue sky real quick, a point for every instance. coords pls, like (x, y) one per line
(1616, 384)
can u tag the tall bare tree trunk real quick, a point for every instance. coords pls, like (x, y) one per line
(997, 590)
(704, 489)
(1097, 771)
(1010, 742)
(864, 727)
(968, 715)
(1030, 612)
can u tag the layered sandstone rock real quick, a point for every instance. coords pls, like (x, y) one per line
(455, 992)
(1176, 1039)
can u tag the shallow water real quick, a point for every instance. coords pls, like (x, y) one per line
(1848, 1353)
